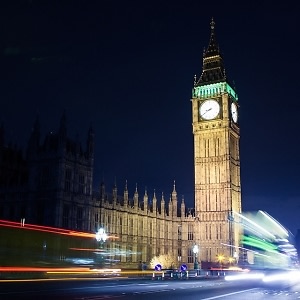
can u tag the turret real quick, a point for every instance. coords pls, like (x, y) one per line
(146, 201)
(162, 205)
(136, 198)
(115, 194)
(126, 198)
(170, 209)
(182, 208)
(154, 203)
(174, 201)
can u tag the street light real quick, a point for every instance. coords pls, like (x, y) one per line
(101, 235)
(196, 251)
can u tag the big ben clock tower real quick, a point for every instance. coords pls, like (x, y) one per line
(216, 158)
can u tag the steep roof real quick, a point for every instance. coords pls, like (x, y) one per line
(213, 68)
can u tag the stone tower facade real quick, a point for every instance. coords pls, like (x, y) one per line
(216, 157)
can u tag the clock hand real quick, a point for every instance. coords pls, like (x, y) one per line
(207, 111)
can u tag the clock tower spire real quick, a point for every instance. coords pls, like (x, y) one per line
(216, 156)
(213, 67)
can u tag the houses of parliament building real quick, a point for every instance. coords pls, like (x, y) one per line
(51, 184)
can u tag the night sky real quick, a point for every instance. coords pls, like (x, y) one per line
(127, 68)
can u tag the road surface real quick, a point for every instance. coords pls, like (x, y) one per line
(135, 289)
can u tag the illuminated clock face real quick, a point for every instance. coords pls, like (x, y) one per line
(209, 109)
(234, 112)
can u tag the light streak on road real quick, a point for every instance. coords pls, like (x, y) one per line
(10, 224)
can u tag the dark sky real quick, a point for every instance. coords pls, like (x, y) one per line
(127, 68)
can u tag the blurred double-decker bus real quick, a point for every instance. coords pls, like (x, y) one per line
(26, 245)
